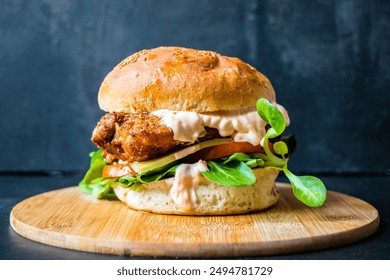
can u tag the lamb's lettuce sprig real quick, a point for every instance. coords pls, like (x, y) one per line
(308, 189)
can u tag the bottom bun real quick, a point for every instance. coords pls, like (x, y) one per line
(212, 198)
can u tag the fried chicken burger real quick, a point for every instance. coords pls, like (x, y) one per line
(183, 135)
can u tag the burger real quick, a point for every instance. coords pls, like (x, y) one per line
(191, 132)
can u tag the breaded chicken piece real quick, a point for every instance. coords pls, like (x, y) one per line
(137, 137)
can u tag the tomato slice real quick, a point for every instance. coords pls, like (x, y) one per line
(117, 170)
(224, 150)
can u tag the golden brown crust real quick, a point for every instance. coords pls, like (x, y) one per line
(182, 79)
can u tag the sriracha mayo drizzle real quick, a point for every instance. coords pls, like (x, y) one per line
(242, 125)
(187, 178)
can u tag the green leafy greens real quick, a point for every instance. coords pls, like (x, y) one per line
(231, 174)
(232, 171)
(94, 184)
(308, 189)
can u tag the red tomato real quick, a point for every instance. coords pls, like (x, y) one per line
(117, 170)
(224, 150)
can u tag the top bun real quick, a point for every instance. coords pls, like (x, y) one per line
(182, 79)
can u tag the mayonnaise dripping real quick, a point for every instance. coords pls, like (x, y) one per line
(187, 178)
(242, 125)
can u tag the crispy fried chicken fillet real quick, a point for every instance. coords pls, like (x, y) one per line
(137, 137)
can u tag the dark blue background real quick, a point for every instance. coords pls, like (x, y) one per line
(329, 62)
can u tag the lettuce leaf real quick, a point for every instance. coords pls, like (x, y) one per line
(102, 188)
(95, 171)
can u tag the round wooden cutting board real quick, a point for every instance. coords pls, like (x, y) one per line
(70, 219)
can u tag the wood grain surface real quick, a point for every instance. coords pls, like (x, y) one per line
(70, 219)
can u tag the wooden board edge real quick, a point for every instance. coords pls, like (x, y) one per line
(183, 250)
(150, 249)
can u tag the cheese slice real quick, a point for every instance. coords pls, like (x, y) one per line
(156, 163)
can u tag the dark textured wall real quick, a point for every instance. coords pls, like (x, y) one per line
(329, 62)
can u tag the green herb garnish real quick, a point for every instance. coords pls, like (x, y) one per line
(308, 189)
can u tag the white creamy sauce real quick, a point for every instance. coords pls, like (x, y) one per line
(187, 178)
(241, 125)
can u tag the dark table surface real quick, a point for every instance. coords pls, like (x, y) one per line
(13, 189)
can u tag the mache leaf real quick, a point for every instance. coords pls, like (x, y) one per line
(308, 189)
(272, 116)
(235, 174)
(281, 148)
